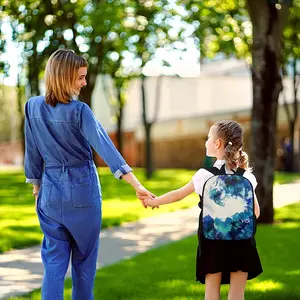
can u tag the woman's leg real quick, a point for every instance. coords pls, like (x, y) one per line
(212, 286)
(55, 254)
(83, 272)
(238, 282)
(85, 244)
(82, 218)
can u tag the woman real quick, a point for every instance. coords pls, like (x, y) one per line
(59, 134)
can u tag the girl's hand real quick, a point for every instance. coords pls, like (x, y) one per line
(142, 193)
(151, 202)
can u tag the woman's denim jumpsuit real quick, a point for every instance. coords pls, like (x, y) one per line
(58, 157)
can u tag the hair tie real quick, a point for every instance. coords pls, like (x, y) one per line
(230, 143)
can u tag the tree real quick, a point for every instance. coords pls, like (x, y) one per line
(268, 28)
(148, 123)
(292, 57)
(151, 29)
(94, 29)
(44, 26)
(118, 99)
(220, 27)
(224, 26)
(144, 31)
(38, 28)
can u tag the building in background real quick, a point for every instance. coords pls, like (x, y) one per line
(188, 107)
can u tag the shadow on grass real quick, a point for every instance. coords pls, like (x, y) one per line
(168, 272)
(274, 295)
(18, 229)
(116, 221)
(15, 190)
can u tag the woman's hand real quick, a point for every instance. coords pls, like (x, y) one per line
(142, 193)
(35, 193)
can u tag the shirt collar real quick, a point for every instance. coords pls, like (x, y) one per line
(219, 163)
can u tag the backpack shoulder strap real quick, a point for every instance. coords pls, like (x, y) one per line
(222, 171)
(240, 171)
(213, 170)
(217, 171)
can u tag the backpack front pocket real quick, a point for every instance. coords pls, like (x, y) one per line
(81, 195)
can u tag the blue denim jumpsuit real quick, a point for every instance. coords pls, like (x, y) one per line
(58, 157)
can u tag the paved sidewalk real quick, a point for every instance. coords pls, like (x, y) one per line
(21, 271)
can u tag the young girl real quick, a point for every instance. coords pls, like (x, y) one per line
(221, 261)
(59, 133)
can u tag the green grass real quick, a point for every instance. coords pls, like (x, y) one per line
(19, 226)
(282, 177)
(168, 272)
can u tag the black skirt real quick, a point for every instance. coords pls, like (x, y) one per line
(226, 257)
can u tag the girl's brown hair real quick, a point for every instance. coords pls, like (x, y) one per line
(60, 75)
(231, 134)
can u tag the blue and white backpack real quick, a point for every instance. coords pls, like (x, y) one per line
(227, 206)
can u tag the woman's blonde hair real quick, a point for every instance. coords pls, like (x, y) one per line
(60, 75)
(231, 134)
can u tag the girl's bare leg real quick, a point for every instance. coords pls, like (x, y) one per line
(212, 286)
(238, 282)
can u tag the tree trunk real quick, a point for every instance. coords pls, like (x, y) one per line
(266, 54)
(120, 120)
(148, 151)
(147, 127)
(295, 150)
(33, 74)
(20, 96)
(292, 135)
(292, 116)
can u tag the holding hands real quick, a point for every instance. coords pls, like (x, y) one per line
(142, 193)
(169, 197)
(152, 202)
(145, 197)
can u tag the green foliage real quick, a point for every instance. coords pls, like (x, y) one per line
(292, 34)
(225, 27)
(105, 32)
(168, 271)
(221, 27)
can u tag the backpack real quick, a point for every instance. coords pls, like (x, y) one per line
(227, 206)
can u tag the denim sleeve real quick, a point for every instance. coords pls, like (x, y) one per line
(33, 162)
(97, 137)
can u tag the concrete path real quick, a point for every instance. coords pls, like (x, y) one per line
(21, 271)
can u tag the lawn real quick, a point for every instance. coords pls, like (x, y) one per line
(168, 272)
(19, 225)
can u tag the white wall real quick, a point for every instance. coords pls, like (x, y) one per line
(181, 99)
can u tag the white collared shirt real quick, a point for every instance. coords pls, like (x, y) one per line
(202, 175)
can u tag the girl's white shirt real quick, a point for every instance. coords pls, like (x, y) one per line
(202, 175)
